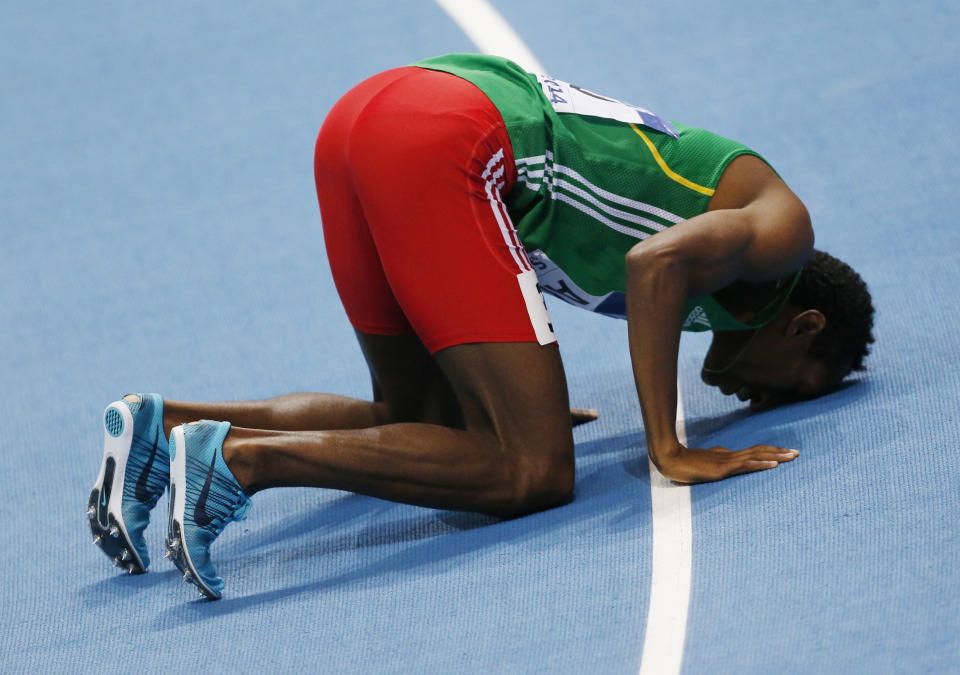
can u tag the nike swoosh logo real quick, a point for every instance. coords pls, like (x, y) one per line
(141, 492)
(200, 516)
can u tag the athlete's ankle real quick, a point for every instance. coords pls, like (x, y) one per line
(241, 457)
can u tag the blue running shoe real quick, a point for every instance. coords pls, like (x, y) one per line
(204, 498)
(133, 474)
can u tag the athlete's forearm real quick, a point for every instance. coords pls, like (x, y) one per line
(693, 258)
(656, 297)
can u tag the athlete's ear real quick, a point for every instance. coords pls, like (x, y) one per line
(808, 324)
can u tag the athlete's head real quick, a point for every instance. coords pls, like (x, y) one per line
(820, 336)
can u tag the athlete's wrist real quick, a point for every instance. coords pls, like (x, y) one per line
(664, 451)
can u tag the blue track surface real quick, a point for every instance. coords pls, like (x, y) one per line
(160, 233)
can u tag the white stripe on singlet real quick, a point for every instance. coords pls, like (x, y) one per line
(492, 175)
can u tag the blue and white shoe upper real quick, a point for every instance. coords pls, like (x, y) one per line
(133, 474)
(204, 498)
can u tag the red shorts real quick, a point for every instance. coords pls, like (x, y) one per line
(410, 168)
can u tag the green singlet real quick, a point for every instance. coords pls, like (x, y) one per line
(594, 177)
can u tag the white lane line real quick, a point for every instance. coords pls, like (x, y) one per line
(670, 504)
(490, 32)
(672, 563)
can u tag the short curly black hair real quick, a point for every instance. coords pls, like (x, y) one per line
(835, 289)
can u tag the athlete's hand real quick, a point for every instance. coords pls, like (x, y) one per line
(581, 416)
(693, 465)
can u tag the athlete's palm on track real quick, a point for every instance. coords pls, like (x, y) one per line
(695, 465)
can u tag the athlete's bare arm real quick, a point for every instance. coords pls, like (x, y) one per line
(757, 230)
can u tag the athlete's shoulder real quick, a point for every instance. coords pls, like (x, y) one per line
(747, 179)
(696, 140)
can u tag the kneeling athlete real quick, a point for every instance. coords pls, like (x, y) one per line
(452, 193)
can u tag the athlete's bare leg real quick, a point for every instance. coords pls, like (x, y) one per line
(420, 393)
(513, 454)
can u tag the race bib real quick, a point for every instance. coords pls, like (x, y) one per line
(569, 98)
(536, 308)
(554, 281)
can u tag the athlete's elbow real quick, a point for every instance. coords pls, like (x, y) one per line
(648, 256)
(655, 269)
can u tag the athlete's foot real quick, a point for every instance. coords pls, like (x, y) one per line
(204, 498)
(133, 474)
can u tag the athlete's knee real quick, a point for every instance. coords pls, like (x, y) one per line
(537, 485)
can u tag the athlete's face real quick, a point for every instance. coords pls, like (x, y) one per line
(770, 366)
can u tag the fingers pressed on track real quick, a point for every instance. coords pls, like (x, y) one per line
(762, 458)
(767, 452)
(754, 465)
